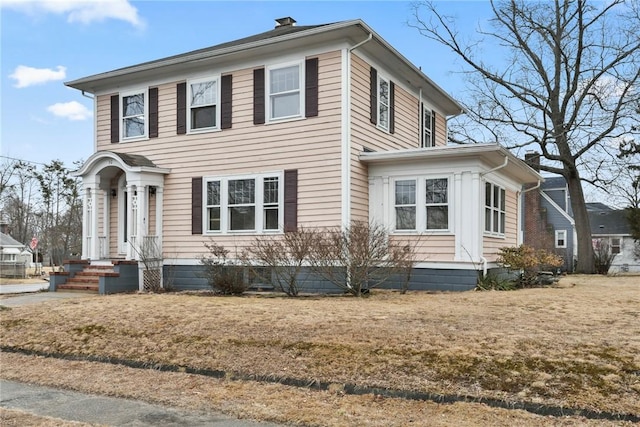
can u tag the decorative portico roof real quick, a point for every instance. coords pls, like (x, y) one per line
(132, 163)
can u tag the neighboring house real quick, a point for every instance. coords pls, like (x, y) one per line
(548, 218)
(14, 257)
(611, 228)
(313, 126)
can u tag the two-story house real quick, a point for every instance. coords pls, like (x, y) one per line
(313, 126)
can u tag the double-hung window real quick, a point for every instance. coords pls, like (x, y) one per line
(561, 238)
(203, 103)
(284, 91)
(405, 205)
(494, 209)
(383, 103)
(244, 203)
(615, 245)
(428, 131)
(437, 203)
(421, 204)
(133, 113)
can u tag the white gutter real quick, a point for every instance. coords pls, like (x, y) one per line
(532, 188)
(346, 135)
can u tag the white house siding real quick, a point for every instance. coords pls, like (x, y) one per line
(312, 146)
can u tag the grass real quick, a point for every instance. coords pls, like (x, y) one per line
(577, 345)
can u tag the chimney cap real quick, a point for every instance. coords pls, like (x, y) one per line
(285, 22)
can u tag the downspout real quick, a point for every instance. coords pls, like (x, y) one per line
(506, 161)
(346, 143)
(484, 266)
(87, 96)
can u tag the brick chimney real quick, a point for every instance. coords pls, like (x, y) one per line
(537, 231)
(285, 22)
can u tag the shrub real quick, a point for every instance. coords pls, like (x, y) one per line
(602, 256)
(223, 275)
(494, 282)
(529, 262)
(360, 257)
(284, 257)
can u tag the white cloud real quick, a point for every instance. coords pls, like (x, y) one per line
(29, 76)
(70, 110)
(82, 11)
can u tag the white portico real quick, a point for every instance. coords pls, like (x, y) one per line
(122, 207)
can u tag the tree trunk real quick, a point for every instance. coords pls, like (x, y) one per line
(583, 227)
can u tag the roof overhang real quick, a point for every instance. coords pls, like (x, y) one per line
(494, 156)
(354, 32)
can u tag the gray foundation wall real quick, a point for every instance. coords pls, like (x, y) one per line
(191, 277)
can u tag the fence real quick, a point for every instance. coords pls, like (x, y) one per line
(13, 270)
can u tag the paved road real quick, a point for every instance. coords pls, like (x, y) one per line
(87, 408)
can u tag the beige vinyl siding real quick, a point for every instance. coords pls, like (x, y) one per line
(366, 134)
(312, 146)
(492, 245)
(441, 130)
(429, 247)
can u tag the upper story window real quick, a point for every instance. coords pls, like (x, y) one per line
(428, 136)
(204, 101)
(383, 103)
(494, 209)
(561, 238)
(133, 113)
(421, 204)
(284, 93)
(251, 203)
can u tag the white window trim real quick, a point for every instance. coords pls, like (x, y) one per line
(259, 204)
(388, 81)
(432, 139)
(421, 205)
(396, 205)
(301, 90)
(493, 233)
(215, 78)
(145, 92)
(558, 233)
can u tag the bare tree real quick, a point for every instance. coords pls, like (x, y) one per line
(566, 88)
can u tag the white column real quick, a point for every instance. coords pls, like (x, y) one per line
(159, 199)
(85, 220)
(95, 243)
(106, 216)
(130, 220)
(142, 221)
(387, 204)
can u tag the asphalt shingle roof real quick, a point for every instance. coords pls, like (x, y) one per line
(609, 222)
(6, 240)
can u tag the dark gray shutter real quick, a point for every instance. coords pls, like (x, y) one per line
(433, 128)
(225, 101)
(258, 96)
(421, 114)
(311, 87)
(291, 200)
(181, 108)
(196, 205)
(115, 119)
(373, 95)
(392, 107)
(153, 112)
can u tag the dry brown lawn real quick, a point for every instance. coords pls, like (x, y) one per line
(576, 345)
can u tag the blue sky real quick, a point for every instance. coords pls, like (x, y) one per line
(45, 43)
